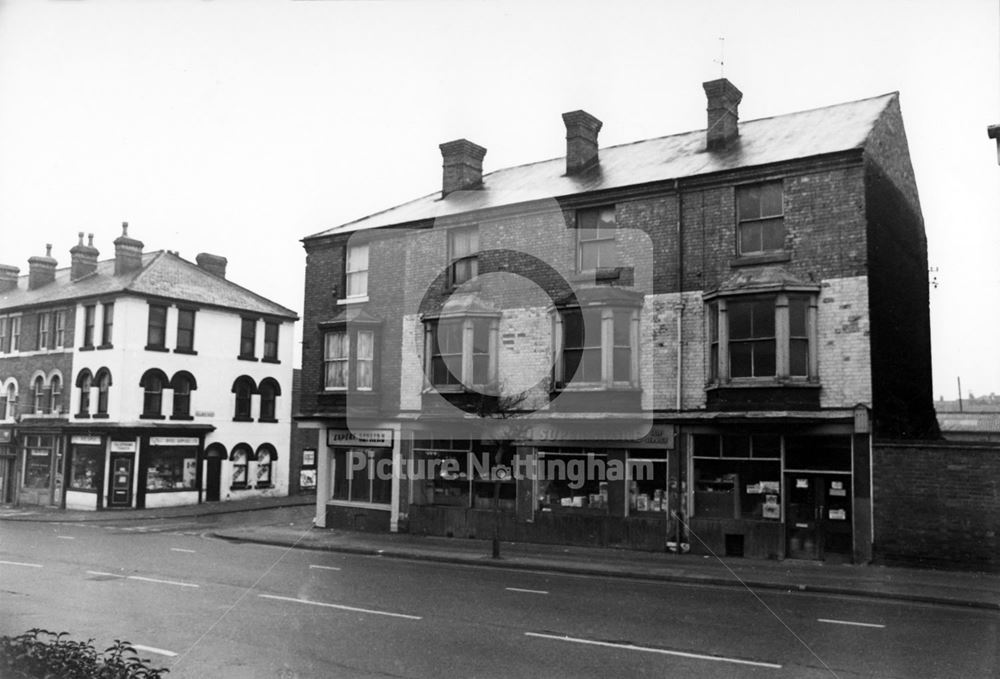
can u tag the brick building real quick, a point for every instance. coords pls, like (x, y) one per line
(728, 315)
(140, 381)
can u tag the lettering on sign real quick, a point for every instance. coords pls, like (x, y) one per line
(123, 446)
(86, 440)
(375, 438)
(173, 441)
(204, 413)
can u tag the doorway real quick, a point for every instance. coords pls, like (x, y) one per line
(213, 479)
(121, 480)
(818, 516)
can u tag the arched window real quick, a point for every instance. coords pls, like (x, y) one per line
(103, 385)
(265, 456)
(38, 388)
(244, 387)
(182, 384)
(240, 457)
(84, 380)
(10, 401)
(55, 394)
(269, 391)
(152, 383)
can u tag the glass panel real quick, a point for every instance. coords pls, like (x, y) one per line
(589, 256)
(740, 360)
(750, 238)
(798, 357)
(763, 318)
(764, 361)
(623, 329)
(797, 309)
(360, 483)
(382, 483)
(340, 483)
(740, 324)
(357, 258)
(818, 452)
(735, 446)
(749, 202)
(706, 445)
(773, 234)
(591, 366)
(622, 365)
(85, 467)
(357, 284)
(766, 446)
(171, 469)
(770, 200)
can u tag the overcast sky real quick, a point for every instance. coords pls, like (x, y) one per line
(238, 126)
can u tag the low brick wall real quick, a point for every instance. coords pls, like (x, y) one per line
(937, 504)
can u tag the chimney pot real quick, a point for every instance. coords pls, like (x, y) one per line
(8, 277)
(83, 259)
(723, 113)
(462, 166)
(128, 252)
(213, 264)
(41, 270)
(581, 141)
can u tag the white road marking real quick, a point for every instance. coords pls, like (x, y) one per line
(110, 575)
(849, 622)
(526, 591)
(186, 551)
(325, 568)
(18, 563)
(632, 647)
(66, 537)
(341, 607)
(162, 582)
(153, 649)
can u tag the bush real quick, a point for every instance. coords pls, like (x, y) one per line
(40, 654)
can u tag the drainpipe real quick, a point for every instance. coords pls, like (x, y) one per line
(679, 306)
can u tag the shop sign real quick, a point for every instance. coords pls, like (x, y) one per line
(309, 457)
(838, 514)
(661, 435)
(86, 440)
(373, 438)
(123, 446)
(204, 413)
(173, 441)
(5, 435)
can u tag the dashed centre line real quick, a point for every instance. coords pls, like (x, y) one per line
(144, 579)
(153, 649)
(66, 537)
(647, 649)
(179, 549)
(20, 563)
(325, 568)
(526, 591)
(850, 622)
(340, 607)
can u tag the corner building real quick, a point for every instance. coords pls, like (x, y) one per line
(143, 380)
(730, 315)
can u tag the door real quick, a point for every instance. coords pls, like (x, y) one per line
(213, 479)
(819, 517)
(121, 481)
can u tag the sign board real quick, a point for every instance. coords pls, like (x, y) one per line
(309, 457)
(371, 438)
(123, 446)
(173, 441)
(204, 413)
(85, 440)
(307, 478)
(5, 435)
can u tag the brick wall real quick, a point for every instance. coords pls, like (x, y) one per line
(937, 504)
(843, 335)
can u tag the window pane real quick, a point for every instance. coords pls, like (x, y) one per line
(766, 446)
(481, 336)
(357, 284)
(749, 202)
(735, 446)
(589, 256)
(623, 365)
(797, 309)
(763, 318)
(572, 328)
(591, 366)
(798, 359)
(740, 360)
(770, 200)
(592, 328)
(623, 329)
(449, 336)
(366, 344)
(364, 370)
(764, 358)
(772, 234)
(480, 369)
(750, 237)
(382, 483)
(357, 258)
(340, 483)
(359, 477)
(706, 445)
(739, 314)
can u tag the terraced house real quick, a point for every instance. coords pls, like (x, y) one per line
(729, 315)
(140, 381)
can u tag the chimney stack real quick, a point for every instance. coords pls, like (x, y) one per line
(128, 252)
(41, 269)
(83, 258)
(581, 141)
(8, 277)
(723, 113)
(463, 166)
(213, 264)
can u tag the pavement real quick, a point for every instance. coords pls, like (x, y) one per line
(939, 587)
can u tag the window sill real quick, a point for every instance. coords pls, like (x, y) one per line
(269, 420)
(154, 347)
(146, 416)
(185, 418)
(246, 358)
(189, 352)
(361, 299)
(264, 486)
(764, 383)
(761, 258)
(106, 346)
(86, 348)
(82, 416)
(100, 416)
(592, 387)
(270, 360)
(239, 487)
(242, 419)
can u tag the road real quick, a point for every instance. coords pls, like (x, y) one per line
(209, 608)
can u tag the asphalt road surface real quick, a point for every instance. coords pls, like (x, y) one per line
(208, 608)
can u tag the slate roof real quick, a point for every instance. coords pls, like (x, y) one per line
(830, 129)
(162, 274)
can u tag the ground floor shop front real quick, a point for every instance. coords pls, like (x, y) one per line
(740, 488)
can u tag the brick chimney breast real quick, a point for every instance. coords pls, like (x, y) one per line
(83, 258)
(8, 277)
(463, 166)
(723, 114)
(41, 269)
(213, 264)
(128, 252)
(581, 141)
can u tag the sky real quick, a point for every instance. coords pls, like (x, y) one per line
(238, 127)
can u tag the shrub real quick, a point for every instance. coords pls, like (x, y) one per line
(40, 654)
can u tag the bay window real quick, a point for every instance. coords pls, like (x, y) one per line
(461, 351)
(349, 359)
(597, 346)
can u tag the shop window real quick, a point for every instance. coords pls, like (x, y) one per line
(38, 461)
(171, 469)
(60, 329)
(349, 359)
(575, 481)
(445, 466)
(244, 388)
(271, 329)
(647, 486)
(761, 338)
(182, 383)
(737, 476)
(85, 467)
(153, 381)
(103, 388)
(248, 339)
(265, 458)
(38, 392)
(269, 392)
(463, 253)
(818, 453)
(55, 394)
(42, 336)
(459, 352)
(156, 328)
(84, 381)
(362, 475)
(185, 331)
(89, 314)
(356, 268)
(596, 239)
(761, 223)
(107, 324)
(598, 347)
(240, 457)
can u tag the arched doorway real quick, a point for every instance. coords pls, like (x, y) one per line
(214, 455)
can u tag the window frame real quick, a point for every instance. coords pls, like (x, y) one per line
(89, 325)
(351, 359)
(248, 338)
(760, 218)
(153, 397)
(84, 382)
(55, 394)
(182, 384)
(271, 343)
(469, 258)
(38, 395)
(600, 226)
(240, 458)
(107, 324)
(186, 333)
(268, 480)
(466, 380)
(161, 329)
(353, 270)
(59, 328)
(42, 339)
(15, 334)
(609, 313)
(103, 379)
(241, 383)
(269, 391)
(4, 347)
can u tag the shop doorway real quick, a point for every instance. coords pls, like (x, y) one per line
(121, 480)
(213, 479)
(818, 516)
